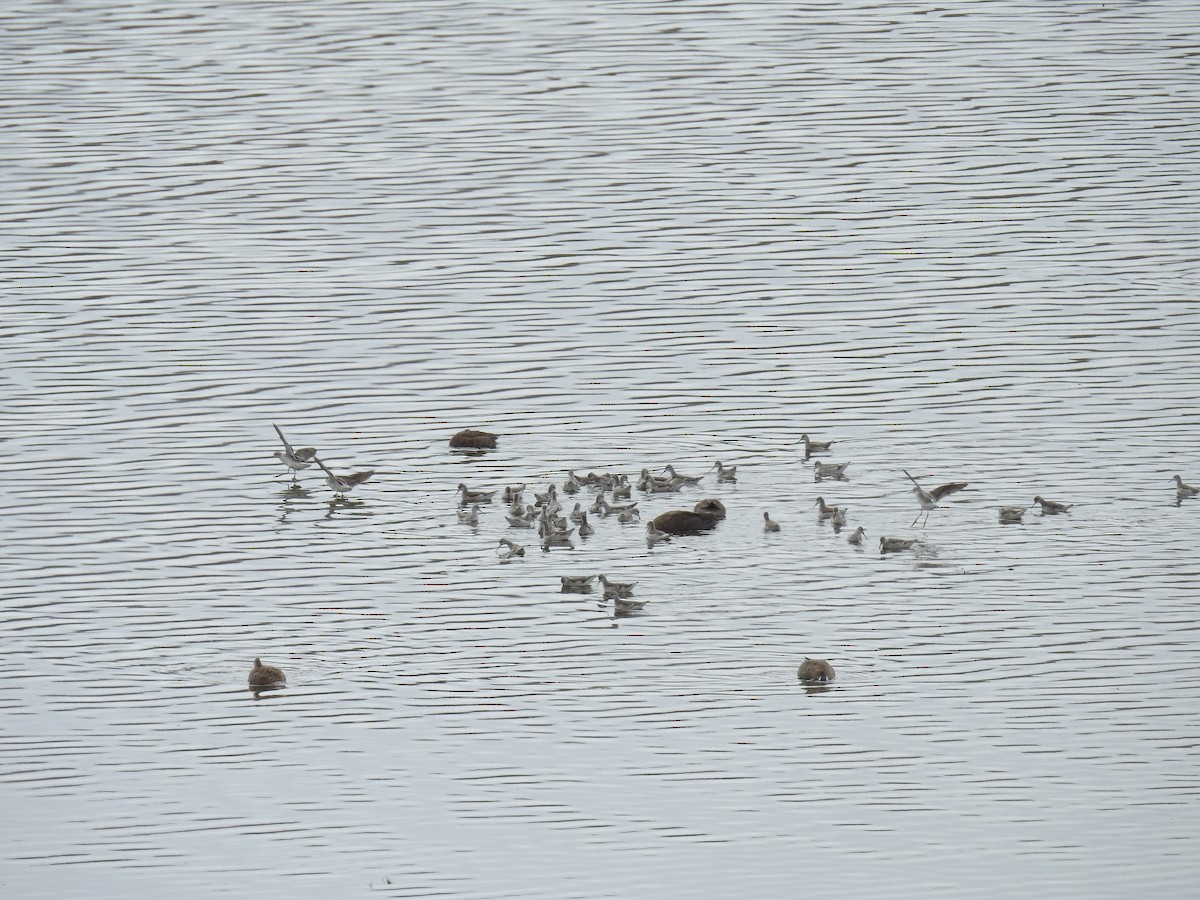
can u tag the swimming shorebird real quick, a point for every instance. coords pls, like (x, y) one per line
(550, 498)
(829, 470)
(856, 537)
(468, 496)
(1010, 515)
(622, 490)
(292, 458)
(838, 519)
(1184, 490)
(519, 519)
(469, 516)
(576, 584)
(824, 510)
(264, 676)
(622, 606)
(513, 549)
(627, 516)
(577, 515)
(895, 544)
(726, 474)
(512, 493)
(1050, 507)
(572, 485)
(769, 524)
(811, 446)
(471, 439)
(557, 539)
(703, 516)
(585, 528)
(617, 588)
(655, 485)
(343, 484)
(815, 670)
(604, 508)
(654, 536)
(683, 479)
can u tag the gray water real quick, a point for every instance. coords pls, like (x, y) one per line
(960, 240)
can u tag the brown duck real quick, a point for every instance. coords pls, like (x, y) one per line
(470, 439)
(705, 515)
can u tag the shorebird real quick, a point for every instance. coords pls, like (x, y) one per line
(895, 544)
(1011, 514)
(626, 516)
(683, 479)
(469, 516)
(617, 588)
(263, 676)
(576, 584)
(811, 446)
(1184, 490)
(557, 539)
(292, 458)
(654, 536)
(470, 439)
(769, 524)
(655, 485)
(520, 520)
(815, 670)
(343, 484)
(572, 484)
(622, 490)
(703, 516)
(513, 549)
(726, 475)
(546, 499)
(623, 605)
(929, 499)
(838, 519)
(512, 493)
(1050, 507)
(605, 508)
(856, 536)
(829, 470)
(577, 515)
(824, 510)
(468, 496)
(585, 528)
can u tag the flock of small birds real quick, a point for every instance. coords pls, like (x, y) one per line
(555, 530)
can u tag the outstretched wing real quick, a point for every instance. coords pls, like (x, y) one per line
(286, 445)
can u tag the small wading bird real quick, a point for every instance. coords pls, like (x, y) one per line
(929, 499)
(895, 544)
(815, 670)
(1010, 515)
(292, 458)
(468, 496)
(1051, 507)
(769, 524)
(264, 676)
(622, 606)
(469, 516)
(343, 484)
(510, 549)
(856, 537)
(576, 584)
(726, 474)
(654, 536)
(824, 510)
(1184, 490)
(811, 446)
(822, 470)
(616, 588)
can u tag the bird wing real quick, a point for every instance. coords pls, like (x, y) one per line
(945, 489)
(286, 445)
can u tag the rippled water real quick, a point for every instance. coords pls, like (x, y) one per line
(959, 240)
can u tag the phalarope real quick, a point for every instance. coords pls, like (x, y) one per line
(343, 484)
(513, 549)
(1184, 490)
(263, 676)
(576, 584)
(822, 470)
(512, 493)
(520, 521)
(654, 536)
(1051, 507)
(470, 439)
(856, 537)
(617, 588)
(942, 490)
(557, 539)
(469, 516)
(769, 524)
(683, 479)
(703, 516)
(811, 446)
(572, 485)
(468, 496)
(726, 474)
(895, 544)
(627, 516)
(1011, 514)
(652, 484)
(824, 510)
(546, 499)
(815, 670)
(623, 605)
(292, 458)
(838, 519)
(585, 528)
